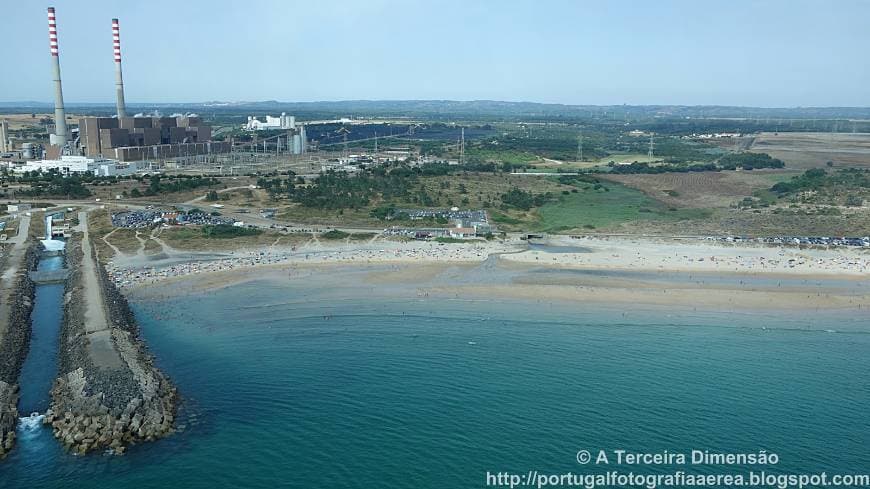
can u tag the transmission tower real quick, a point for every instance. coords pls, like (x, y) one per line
(462, 147)
(651, 146)
(344, 132)
(580, 147)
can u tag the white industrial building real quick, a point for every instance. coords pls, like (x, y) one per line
(283, 121)
(101, 167)
(296, 141)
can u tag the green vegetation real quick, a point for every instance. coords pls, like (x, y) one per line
(224, 231)
(815, 179)
(56, 185)
(731, 161)
(334, 234)
(748, 161)
(445, 239)
(339, 190)
(847, 187)
(606, 206)
(520, 199)
(179, 183)
(500, 218)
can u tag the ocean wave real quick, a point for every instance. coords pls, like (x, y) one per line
(53, 244)
(31, 423)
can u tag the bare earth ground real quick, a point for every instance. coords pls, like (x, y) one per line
(20, 121)
(813, 150)
(702, 189)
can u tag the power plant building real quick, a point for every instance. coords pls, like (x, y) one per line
(283, 121)
(146, 138)
(4, 136)
(295, 134)
(68, 165)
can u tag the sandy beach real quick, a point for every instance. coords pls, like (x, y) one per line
(684, 274)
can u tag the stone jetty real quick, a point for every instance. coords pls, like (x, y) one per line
(16, 303)
(108, 395)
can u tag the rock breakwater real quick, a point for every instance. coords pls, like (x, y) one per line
(18, 295)
(99, 404)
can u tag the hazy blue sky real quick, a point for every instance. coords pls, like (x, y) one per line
(761, 53)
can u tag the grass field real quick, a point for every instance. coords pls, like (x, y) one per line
(598, 209)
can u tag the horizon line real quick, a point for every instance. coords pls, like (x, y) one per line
(26, 103)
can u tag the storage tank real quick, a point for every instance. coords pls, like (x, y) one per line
(297, 144)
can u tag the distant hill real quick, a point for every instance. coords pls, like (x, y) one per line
(489, 109)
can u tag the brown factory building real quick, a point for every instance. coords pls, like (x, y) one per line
(143, 138)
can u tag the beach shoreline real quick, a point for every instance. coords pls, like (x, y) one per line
(617, 272)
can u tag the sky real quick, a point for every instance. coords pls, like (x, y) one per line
(777, 53)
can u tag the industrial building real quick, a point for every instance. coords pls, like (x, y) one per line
(4, 136)
(67, 165)
(296, 139)
(283, 121)
(123, 138)
(144, 138)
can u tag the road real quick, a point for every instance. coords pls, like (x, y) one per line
(100, 346)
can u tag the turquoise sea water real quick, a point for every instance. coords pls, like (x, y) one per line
(40, 367)
(282, 390)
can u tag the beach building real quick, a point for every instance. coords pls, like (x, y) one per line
(461, 232)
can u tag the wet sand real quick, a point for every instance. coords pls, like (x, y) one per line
(499, 279)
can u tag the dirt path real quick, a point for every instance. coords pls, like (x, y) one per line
(165, 248)
(114, 248)
(100, 346)
(141, 240)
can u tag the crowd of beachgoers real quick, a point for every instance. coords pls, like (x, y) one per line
(588, 253)
(424, 252)
(631, 254)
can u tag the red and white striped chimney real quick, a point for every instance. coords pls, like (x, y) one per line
(119, 79)
(60, 131)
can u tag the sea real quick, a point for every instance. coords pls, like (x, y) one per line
(282, 389)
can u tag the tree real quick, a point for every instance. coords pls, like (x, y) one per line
(212, 196)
